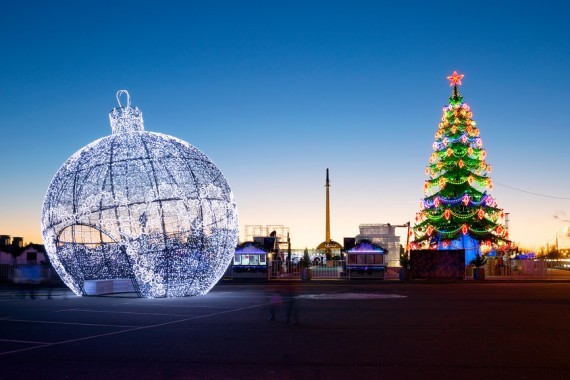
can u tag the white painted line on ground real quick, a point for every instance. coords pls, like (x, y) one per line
(62, 310)
(22, 341)
(128, 312)
(8, 319)
(137, 328)
(184, 306)
(131, 329)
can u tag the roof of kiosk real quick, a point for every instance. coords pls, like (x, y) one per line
(366, 246)
(250, 248)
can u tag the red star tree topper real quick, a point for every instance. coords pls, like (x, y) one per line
(455, 78)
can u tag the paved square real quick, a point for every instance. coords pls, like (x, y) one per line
(346, 330)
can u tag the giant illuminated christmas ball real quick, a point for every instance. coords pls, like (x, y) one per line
(141, 206)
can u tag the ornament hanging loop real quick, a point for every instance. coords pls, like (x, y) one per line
(125, 119)
(121, 92)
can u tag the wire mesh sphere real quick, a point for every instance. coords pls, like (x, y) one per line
(142, 206)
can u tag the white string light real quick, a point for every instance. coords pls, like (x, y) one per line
(140, 205)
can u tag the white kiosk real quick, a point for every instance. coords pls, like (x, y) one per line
(250, 261)
(366, 260)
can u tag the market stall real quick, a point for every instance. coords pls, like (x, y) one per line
(366, 260)
(250, 261)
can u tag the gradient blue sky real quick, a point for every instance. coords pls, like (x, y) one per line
(274, 92)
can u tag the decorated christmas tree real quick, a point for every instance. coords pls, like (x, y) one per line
(457, 211)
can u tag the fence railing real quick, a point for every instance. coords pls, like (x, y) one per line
(290, 269)
(330, 269)
(515, 268)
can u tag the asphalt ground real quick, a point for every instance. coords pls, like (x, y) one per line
(447, 330)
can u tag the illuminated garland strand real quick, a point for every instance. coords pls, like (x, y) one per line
(465, 229)
(442, 181)
(463, 139)
(468, 163)
(485, 198)
(459, 152)
(448, 213)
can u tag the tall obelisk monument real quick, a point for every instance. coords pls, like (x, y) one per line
(328, 246)
(328, 211)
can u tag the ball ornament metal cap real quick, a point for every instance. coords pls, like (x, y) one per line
(141, 206)
(125, 119)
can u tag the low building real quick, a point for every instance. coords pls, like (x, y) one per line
(385, 236)
(14, 256)
(32, 254)
(10, 249)
(250, 261)
(13, 251)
